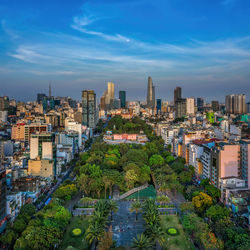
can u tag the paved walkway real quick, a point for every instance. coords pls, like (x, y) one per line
(124, 226)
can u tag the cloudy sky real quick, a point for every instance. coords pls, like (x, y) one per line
(201, 45)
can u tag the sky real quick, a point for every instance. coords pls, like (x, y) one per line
(201, 45)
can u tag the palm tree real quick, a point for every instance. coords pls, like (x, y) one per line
(112, 207)
(142, 242)
(99, 217)
(94, 233)
(156, 234)
(136, 206)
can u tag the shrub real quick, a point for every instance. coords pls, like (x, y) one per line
(76, 232)
(172, 231)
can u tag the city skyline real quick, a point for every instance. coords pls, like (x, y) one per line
(85, 44)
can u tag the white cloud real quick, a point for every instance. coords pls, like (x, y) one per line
(8, 31)
(27, 55)
(80, 23)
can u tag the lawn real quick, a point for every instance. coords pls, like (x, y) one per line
(178, 242)
(77, 242)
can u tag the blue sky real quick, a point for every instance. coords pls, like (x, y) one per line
(201, 45)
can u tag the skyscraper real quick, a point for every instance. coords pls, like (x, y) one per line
(200, 103)
(177, 94)
(122, 97)
(158, 106)
(108, 97)
(236, 104)
(180, 108)
(150, 94)
(111, 91)
(89, 112)
(215, 106)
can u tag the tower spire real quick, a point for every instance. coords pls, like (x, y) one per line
(49, 90)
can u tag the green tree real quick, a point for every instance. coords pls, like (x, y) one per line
(213, 191)
(202, 201)
(94, 233)
(185, 177)
(217, 212)
(135, 207)
(156, 234)
(130, 177)
(156, 161)
(8, 237)
(137, 156)
(19, 225)
(113, 208)
(170, 159)
(28, 209)
(144, 175)
(141, 242)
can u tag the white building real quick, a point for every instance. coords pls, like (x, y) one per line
(14, 202)
(206, 161)
(3, 116)
(77, 127)
(224, 125)
(190, 103)
(168, 134)
(195, 152)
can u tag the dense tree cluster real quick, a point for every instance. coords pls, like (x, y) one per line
(20, 224)
(45, 230)
(65, 191)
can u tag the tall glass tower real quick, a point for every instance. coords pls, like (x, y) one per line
(150, 94)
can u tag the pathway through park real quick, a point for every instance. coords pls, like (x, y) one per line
(124, 226)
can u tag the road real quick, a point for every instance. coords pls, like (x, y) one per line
(61, 180)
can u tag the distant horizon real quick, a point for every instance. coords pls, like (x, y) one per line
(202, 46)
(206, 101)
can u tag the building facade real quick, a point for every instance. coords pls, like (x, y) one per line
(236, 104)
(150, 94)
(89, 109)
(122, 97)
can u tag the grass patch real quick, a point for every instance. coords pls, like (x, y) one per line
(76, 242)
(178, 242)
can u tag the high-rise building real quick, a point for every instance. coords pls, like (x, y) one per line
(180, 108)
(245, 161)
(248, 107)
(236, 104)
(4, 103)
(42, 156)
(158, 106)
(177, 94)
(150, 94)
(190, 103)
(41, 145)
(40, 97)
(3, 217)
(89, 110)
(108, 97)
(225, 162)
(111, 90)
(122, 97)
(215, 106)
(200, 103)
